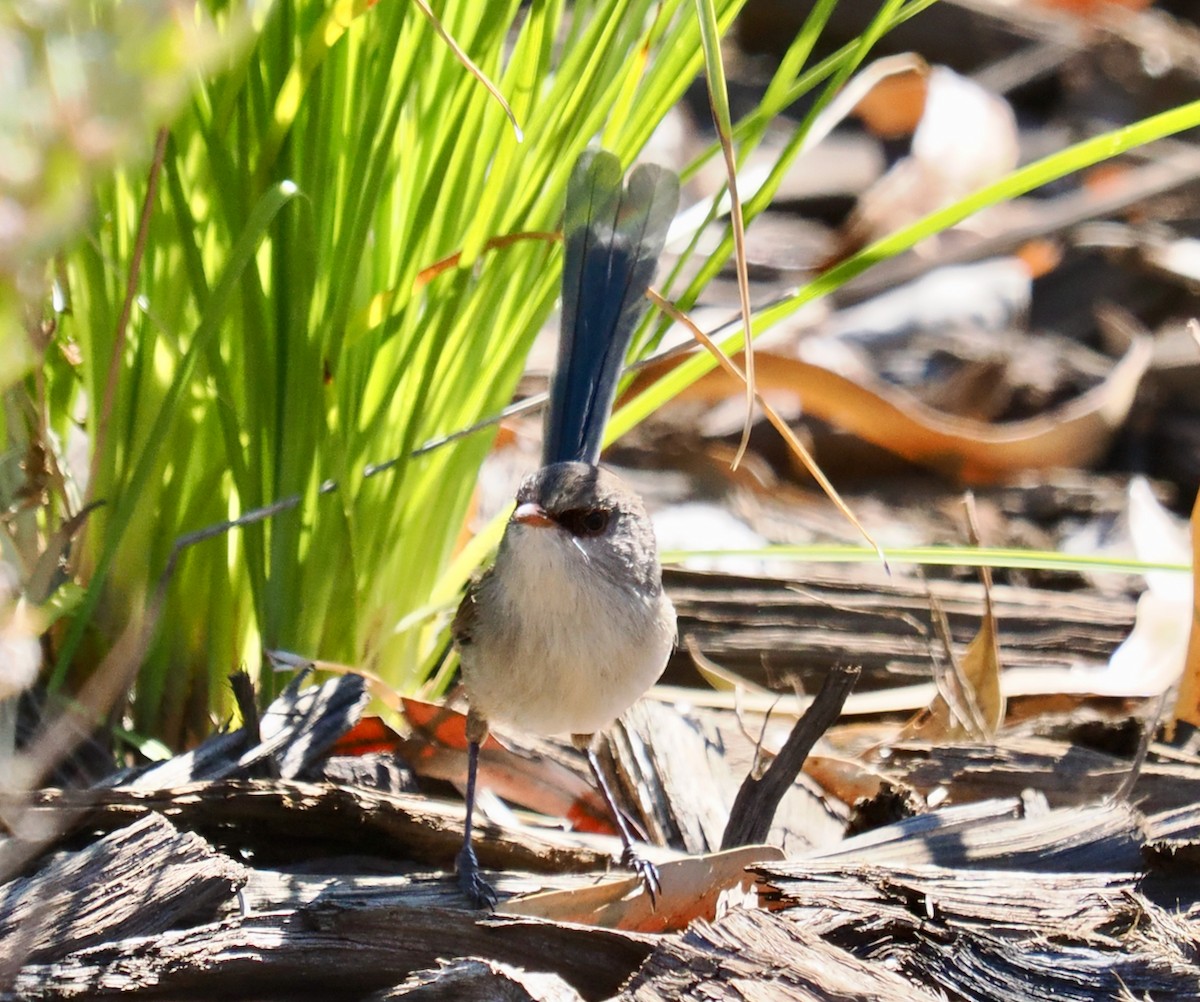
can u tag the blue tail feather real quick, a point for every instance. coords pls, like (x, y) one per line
(613, 241)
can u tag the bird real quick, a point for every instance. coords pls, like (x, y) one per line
(571, 623)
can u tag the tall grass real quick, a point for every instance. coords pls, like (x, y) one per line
(280, 337)
(250, 319)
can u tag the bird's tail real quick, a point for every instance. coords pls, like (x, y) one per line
(613, 237)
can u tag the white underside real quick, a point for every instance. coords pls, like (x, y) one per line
(559, 649)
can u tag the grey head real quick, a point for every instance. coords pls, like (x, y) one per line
(600, 516)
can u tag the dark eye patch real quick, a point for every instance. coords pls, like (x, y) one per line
(584, 521)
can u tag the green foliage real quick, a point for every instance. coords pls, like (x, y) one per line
(250, 319)
(81, 86)
(282, 337)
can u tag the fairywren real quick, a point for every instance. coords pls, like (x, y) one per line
(571, 625)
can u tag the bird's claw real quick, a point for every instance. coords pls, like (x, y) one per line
(470, 881)
(647, 872)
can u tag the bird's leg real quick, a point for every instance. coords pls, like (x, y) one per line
(631, 855)
(477, 890)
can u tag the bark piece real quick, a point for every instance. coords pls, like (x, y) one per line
(284, 820)
(1065, 774)
(758, 799)
(833, 896)
(994, 835)
(752, 956)
(139, 880)
(803, 626)
(296, 730)
(999, 934)
(475, 980)
(330, 952)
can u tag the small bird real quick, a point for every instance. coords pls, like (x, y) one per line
(571, 624)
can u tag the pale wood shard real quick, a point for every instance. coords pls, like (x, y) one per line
(139, 880)
(672, 769)
(475, 979)
(756, 957)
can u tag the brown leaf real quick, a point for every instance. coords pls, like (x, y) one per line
(970, 702)
(1076, 434)
(516, 773)
(1187, 708)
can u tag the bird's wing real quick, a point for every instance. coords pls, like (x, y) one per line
(462, 628)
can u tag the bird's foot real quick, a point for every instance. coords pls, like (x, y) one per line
(647, 872)
(470, 881)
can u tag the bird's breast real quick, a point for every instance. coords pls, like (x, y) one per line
(558, 646)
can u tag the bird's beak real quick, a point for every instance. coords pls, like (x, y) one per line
(531, 513)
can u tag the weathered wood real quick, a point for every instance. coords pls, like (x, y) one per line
(829, 895)
(281, 820)
(1065, 774)
(764, 628)
(948, 939)
(759, 797)
(672, 769)
(1047, 906)
(329, 952)
(295, 730)
(375, 770)
(995, 835)
(363, 882)
(752, 956)
(985, 967)
(140, 880)
(476, 980)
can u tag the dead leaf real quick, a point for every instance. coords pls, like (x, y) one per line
(370, 735)
(846, 779)
(1073, 435)
(513, 771)
(1187, 708)
(970, 700)
(966, 138)
(691, 889)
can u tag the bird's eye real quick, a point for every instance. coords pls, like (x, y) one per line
(585, 521)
